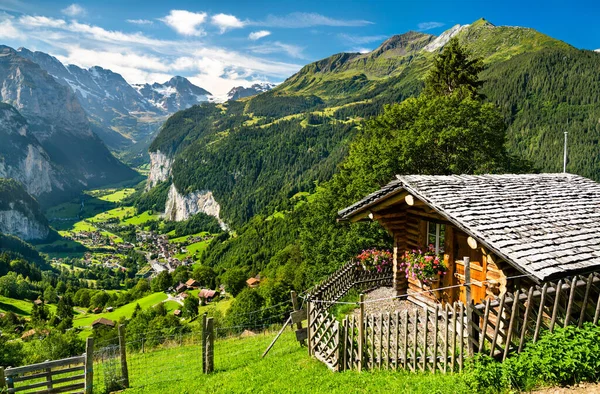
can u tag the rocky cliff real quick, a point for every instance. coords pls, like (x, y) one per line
(57, 121)
(20, 214)
(160, 169)
(23, 158)
(180, 207)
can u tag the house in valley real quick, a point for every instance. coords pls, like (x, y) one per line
(516, 230)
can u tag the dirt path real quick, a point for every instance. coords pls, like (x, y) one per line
(588, 388)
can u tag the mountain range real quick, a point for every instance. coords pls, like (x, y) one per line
(251, 156)
(124, 114)
(50, 146)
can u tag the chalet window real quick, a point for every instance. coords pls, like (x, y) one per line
(436, 234)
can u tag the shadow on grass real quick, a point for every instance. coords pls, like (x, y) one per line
(11, 308)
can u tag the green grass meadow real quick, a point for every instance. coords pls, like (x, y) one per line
(239, 368)
(123, 311)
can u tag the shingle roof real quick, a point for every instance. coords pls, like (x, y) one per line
(547, 225)
(104, 322)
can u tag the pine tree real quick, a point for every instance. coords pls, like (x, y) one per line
(454, 71)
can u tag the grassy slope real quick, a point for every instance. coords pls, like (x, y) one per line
(20, 307)
(239, 368)
(123, 311)
(141, 218)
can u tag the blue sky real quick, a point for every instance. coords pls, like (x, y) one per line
(221, 44)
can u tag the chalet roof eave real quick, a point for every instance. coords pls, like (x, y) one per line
(347, 217)
(478, 237)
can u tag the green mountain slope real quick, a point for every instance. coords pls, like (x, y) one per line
(256, 153)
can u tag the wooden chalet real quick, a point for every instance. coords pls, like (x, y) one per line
(207, 294)
(103, 322)
(515, 229)
(253, 282)
(192, 284)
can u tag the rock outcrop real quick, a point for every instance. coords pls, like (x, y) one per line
(20, 214)
(180, 207)
(160, 169)
(22, 226)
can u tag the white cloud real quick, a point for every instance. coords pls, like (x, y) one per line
(257, 35)
(140, 58)
(429, 25)
(185, 22)
(597, 50)
(278, 47)
(309, 19)
(8, 30)
(225, 22)
(74, 10)
(41, 21)
(359, 40)
(140, 21)
(360, 50)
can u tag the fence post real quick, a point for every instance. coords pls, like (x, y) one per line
(361, 333)
(203, 343)
(469, 299)
(123, 351)
(308, 323)
(210, 346)
(2, 380)
(297, 308)
(89, 366)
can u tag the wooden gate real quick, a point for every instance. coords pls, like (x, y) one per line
(325, 339)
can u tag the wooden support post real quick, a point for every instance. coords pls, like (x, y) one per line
(513, 315)
(538, 323)
(425, 332)
(525, 318)
(585, 300)
(203, 343)
(469, 304)
(308, 324)
(461, 337)
(556, 304)
(405, 341)
(498, 323)
(486, 316)
(416, 340)
(210, 346)
(296, 307)
(2, 380)
(123, 353)
(571, 299)
(89, 366)
(453, 352)
(361, 333)
(49, 379)
(288, 321)
(435, 338)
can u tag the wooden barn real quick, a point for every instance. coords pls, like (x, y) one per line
(515, 229)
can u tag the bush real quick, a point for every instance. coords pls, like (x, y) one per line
(483, 374)
(564, 357)
(567, 356)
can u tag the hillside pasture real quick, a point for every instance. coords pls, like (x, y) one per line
(122, 311)
(239, 368)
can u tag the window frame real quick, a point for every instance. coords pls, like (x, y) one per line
(438, 248)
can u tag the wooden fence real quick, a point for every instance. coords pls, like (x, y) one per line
(346, 278)
(438, 339)
(69, 375)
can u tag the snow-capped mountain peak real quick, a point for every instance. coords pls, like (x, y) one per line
(176, 94)
(239, 92)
